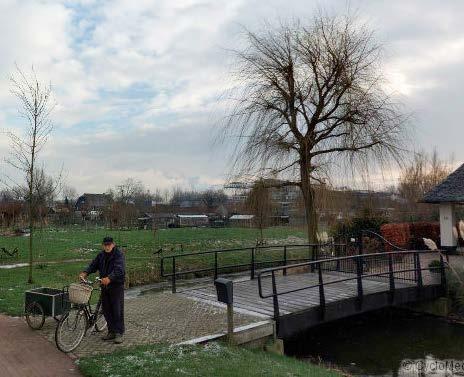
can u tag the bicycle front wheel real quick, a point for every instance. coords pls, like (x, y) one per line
(100, 322)
(71, 330)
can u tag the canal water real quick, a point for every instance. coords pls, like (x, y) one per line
(385, 343)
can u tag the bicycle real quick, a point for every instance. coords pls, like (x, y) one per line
(75, 323)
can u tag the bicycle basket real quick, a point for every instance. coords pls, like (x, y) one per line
(79, 293)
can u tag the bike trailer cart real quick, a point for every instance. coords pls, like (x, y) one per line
(44, 302)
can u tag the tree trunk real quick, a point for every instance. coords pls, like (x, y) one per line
(31, 230)
(31, 192)
(309, 202)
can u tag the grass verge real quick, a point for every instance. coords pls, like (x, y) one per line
(212, 359)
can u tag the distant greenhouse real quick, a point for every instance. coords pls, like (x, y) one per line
(241, 220)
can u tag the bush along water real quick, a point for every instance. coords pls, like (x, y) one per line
(455, 286)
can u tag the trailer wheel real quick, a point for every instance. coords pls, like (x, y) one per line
(35, 316)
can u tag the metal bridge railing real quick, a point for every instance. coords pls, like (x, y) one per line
(243, 259)
(393, 266)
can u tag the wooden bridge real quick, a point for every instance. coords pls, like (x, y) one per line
(326, 287)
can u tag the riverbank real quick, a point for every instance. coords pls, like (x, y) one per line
(213, 359)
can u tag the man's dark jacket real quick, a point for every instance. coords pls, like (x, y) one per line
(111, 265)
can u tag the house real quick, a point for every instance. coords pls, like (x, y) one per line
(11, 211)
(449, 194)
(192, 220)
(157, 220)
(92, 202)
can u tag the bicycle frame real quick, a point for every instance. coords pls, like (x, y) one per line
(87, 308)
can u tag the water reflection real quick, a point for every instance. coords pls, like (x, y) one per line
(386, 343)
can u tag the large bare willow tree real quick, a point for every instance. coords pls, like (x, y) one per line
(310, 101)
(35, 107)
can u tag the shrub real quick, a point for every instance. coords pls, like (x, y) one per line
(367, 220)
(410, 235)
(397, 234)
(455, 287)
(421, 230)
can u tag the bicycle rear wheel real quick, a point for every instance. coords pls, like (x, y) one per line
(71, 330)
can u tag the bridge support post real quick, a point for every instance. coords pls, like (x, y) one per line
(442, 273)
(418, 270)
(252, 269)
(312, 256)
(285, 260)
(275, 299)
(173, 274)
(215, 265)
(391, 278)
(321, 292)
(359, 268)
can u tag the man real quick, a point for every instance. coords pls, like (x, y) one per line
(111, 267)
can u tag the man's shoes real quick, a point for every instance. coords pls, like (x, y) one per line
(109, 336)
(118, 339)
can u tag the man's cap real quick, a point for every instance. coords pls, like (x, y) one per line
(108, 240)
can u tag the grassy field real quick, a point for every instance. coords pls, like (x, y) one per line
(210, 360)
(57, 248)
(78, 242)
(13, 282)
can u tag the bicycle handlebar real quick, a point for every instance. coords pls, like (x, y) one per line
(89, 282)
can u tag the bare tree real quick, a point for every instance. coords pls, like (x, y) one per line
(310, 100)
(45, 190)
(423, 173)
(128, 190)
(35, 106)
(212, 198)
(69, 194)
(260, 203)
(130, 197)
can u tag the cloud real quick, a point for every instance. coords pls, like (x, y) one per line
(137, 82)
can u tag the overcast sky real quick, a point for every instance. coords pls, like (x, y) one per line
(137, 82)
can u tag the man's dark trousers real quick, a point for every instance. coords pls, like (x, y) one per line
(113, 307)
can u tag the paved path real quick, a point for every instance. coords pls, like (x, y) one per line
(24, 353)
(159, 317)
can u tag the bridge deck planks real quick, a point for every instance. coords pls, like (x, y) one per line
(246, 295)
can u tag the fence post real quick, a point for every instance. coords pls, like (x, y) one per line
(215, 265)
(275, 299)
(313, 257)
(418, 270)
(338, 255)
(442, 272)
(359, 268)
(173, 274)
(252, 269)
(392, 277)
(360, 243)
(285, 260)
(321, 290)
